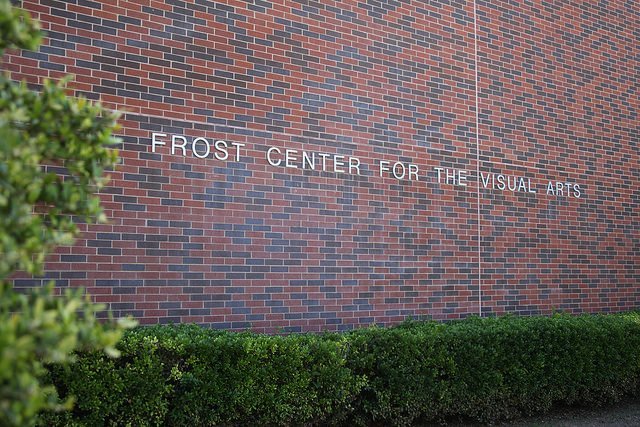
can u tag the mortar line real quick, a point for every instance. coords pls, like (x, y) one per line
(477, 106)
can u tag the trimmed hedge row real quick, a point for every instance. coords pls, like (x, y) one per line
(478, 369)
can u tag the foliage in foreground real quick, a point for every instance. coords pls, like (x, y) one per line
(478, 369)
(53, 150)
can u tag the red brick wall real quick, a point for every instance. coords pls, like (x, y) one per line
(548, 93)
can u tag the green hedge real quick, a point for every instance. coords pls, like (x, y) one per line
(477, 369)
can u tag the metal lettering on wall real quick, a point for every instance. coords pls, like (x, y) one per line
(202, 148)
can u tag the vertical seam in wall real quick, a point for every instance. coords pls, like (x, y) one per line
(477, 92)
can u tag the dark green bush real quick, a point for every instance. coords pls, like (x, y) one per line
(477, 369)
(495, 368)
(408, 372)
(186, 375)
(131, 390)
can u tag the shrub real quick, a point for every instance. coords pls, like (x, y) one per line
(131, 390)
(477, 369)
(186, 375)
(407, 370)
(496, 368)
(42, 133)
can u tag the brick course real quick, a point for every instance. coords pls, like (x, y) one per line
(547, 92)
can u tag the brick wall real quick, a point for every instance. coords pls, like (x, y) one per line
(460, 165)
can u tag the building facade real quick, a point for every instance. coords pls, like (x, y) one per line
(317, 165)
